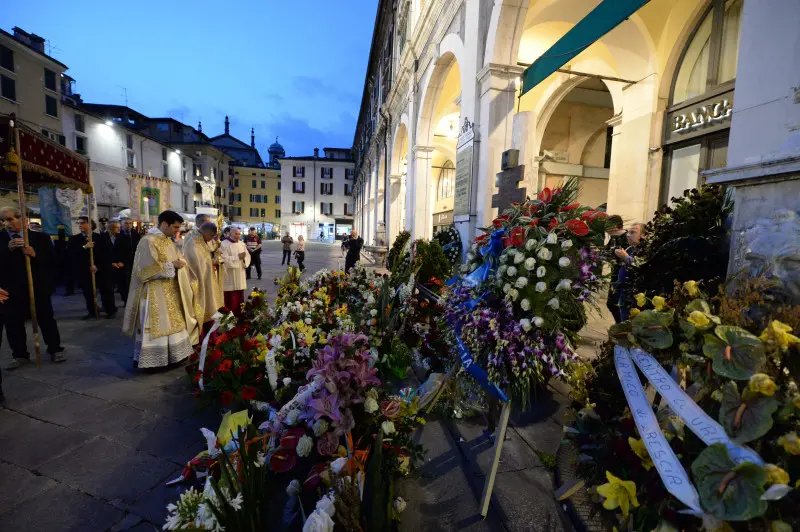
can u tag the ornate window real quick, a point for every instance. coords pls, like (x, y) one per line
(446, 184)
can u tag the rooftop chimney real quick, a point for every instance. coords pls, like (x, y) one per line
(31, 40)
(252, 137)
(316, 153)
(227, 126)
(200, 127)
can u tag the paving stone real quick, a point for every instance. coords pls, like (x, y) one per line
(29, 442)
(152, 504)
(17, 485)
(62, 509)
(108, 469)
(66, 409)
(129, 522)
(21, 392)
(524, 501)
(87, 384)
(479, 449)
(111, 419)
(166, 438)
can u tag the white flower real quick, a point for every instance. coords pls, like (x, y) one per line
(261, 459)
(525, 323)
(308, 321)
(512, 271)
(541, 271)
(544, 254)
(564, 262)
(503, 258)
(514, 293)
(338, 464)
(373, 312)
(387, 427)
(553, 303)
(566, 244)
(470, 256)
(319, 427)
(304, 446)
(318, 521)
(501, 270)
(526, 305)
(326, 504)
(530, 263)
(519, 257)
(275, 341)
(370, 300)
(236, 502)
(399, 505)
(287, 381)
(291, 417)
(552, 238)
(541, 286)
(563, 284)
(522, 282)
(511, 252)
(530, 244)
(370, 405)
(506, 288)
(538, 321)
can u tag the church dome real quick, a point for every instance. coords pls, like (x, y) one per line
(276, 149)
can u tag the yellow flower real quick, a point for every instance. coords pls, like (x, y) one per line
(341, 452)
(780, 526)
(776, 475)
(618, 493)
(641, 299)
(340, 311)
(796, 401)
(762, 384)
(634, 312)
(691, 288)
(659, 302)
(790, 443)
(779, 333)
(698, 319)
(641, 451)
(306, 330)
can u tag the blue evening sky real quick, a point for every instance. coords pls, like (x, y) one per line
(288, 68)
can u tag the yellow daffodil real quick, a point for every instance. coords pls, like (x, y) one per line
(698, 319)
(618, 493)
(323, 338)
(790, 443)
(634, 312)
(306, 330)
(659, 302)
(763, 384)
(778, 333)
(691, 288)
(641, 299)
(641, 451)
(776, 475)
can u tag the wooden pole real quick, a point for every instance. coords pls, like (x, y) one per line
(89, 200)
(498, 450)
(22, 209)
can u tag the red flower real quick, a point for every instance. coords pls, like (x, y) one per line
(291, 437)
(223, 338)
(498, 222)
(249, 393)
(226, 397)
(533, 208)
(215, 355)
(283, 460)
(578, 227)
(545, 195)
(517, 236)
(224, 310)
(236, 332)
(196, 377)
(553, 223)
(193, 357)
(240, 370)
(534, 222)
(248, 345)
(314, 478)
(225, 365)
(589, 215)
(481, 238)
(569, 207)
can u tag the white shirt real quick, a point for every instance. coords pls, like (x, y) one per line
(234, 266)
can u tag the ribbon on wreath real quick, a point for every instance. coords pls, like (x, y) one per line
(204, 347)
(672, 473)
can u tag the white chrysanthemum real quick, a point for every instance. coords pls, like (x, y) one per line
(541, 286)
(525, 304)
(503, 258)
(287, 381)
(370, 405)
(566, 244)
(514, 293)
(525, 323)
(552, 238)
(373, 312)
(502, 270)
(541, 271)
(304, 446)
(470, 257)
(538, 321)
(308, 321)
(553, 303)
(563, 284)
(511, 252)
(519, 257)
(327, 504)
(522, 282)
(530, 263)
(506, 288)
(530, 244)
(544, 254)
(387, 427)
(512, 271)
(564, 262)
(338, 464)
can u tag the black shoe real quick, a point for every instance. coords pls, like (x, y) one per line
(57, 358)
(59, 349)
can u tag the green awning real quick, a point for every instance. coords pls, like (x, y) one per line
(602, 19)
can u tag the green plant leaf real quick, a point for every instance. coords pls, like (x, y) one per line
(739, 498)
(745, 357)
(652, 328)
(755, 419)
(698, 304)
(618, 333)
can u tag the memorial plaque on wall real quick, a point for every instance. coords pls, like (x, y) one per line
(464, 168)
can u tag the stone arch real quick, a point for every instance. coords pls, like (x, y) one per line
(431, 88)
(399, 138)
(506, 26)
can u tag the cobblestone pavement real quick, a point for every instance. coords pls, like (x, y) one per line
(88, 445)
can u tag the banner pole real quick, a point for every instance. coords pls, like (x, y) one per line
(89, 201)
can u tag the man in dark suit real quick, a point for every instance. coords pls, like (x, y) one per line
(135, 236)
(79, 246)
(120, 245)
(15, 277)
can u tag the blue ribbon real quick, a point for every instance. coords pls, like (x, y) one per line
(480, 274)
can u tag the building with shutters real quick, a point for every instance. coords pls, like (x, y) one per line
(317, 194)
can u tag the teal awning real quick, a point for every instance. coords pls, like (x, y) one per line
(602, 19)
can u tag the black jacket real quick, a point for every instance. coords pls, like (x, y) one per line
(80, 255)
(134, 237)
(15, 275)
(121, 249)
(353, 247)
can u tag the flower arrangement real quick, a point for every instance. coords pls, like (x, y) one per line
(743, 377)
(450, 241)
(528, 279)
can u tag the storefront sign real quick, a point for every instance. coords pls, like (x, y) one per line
(464, 168)
(705, 117)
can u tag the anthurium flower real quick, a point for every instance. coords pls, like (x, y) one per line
(577, 227)
(776, 475)
(659, 302)
(641, 451)
(790, 443)
(618, 493)
(763, 384)
(691, 288)
(778, 333)
(641, 299)
(698, 319)
(545, 195)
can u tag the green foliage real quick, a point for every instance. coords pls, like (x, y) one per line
(652, 328)
(736, 353)
(746, 419)
(398, 249)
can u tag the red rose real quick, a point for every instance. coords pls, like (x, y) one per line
(240, 370)
(225, 365)
(215, 355)
(226, 397)
(248, 345)
(517, 236)
(534, 222)
(224, 310)
(236, 332)
(193, 357)
(578, 227)
(553, 223)
(249, 393)
(545, 195)
(283, 460)
(569, 207)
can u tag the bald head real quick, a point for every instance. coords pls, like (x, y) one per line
(208, 230)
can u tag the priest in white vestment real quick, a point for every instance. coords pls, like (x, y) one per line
(160, 313)
(201, 250)
(236, 259)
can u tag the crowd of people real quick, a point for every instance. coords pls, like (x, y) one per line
(172, 280)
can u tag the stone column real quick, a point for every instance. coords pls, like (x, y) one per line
(420, 206)
(394, 220)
